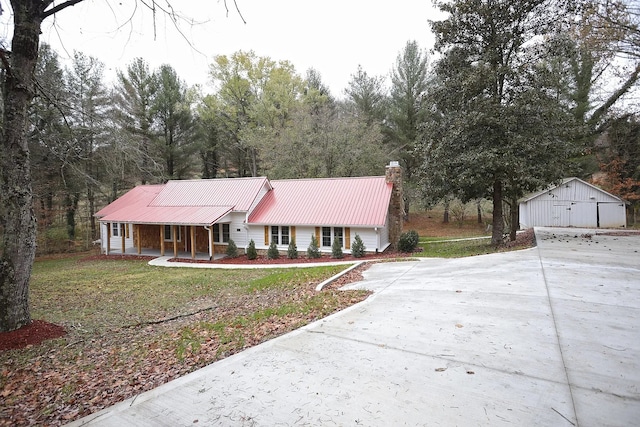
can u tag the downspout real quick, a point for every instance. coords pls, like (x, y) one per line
(209, 230)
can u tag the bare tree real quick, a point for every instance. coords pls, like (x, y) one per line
(18, 220)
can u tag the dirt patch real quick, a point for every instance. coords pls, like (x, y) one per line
(32, 334)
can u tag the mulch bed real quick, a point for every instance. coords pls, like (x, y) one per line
(284, 260)
(31, 334)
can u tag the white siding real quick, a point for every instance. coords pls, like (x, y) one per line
(574, 203)
(303, 238)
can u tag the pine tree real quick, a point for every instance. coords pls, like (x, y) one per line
(273, 252)
(292, 250)
(313, 251)
(358, 247)
(251, 250)
(336, 249)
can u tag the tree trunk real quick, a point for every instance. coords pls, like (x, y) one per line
(479, 211)
(445, 217)
(498, 221)
(19, 239)
(515, 219)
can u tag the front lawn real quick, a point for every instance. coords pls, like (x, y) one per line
(132, 327)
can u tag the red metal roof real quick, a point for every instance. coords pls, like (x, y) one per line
(239, 193)
(196, 202)
(136, 198)
(360, 201)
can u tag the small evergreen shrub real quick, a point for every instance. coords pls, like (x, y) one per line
(313, 251)
(408, 241)
(232, 249)
(251, 250)
(292, 250)
(358, 247)
(336, 249)
(273, 252)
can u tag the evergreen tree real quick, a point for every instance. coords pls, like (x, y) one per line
(336, 249)
(292, 250)
(358, 248)
(313, 251)
(251, 250)
(273, 252)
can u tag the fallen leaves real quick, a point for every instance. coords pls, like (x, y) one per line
(66, 379)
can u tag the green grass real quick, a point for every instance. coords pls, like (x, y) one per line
(105, 294)
(437, 248)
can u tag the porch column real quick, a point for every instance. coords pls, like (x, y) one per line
(123, 236)
(174, 230)
(210, 230)
(137, 233)
(108, 237)
(193, 242)
(161, 239)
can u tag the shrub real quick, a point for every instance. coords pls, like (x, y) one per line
(232, 249)
(313, 251)
(251, 250)
(408, 241)
(273, 252)
(336, 249)
(292, 250)
(358, 247)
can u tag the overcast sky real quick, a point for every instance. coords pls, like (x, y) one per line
(332, 36)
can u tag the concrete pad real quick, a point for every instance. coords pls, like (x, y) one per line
(547, 336)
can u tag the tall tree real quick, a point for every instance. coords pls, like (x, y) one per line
(407, 109)
(88, 107)
(175, 121)
(136, 89)
(496, 130)
(18, 221)
(367, 94)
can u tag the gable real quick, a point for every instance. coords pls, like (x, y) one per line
(574, 189)
(362, 201)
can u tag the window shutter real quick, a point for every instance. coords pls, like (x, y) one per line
(347, 238)
(318, 236)
(293, 232)
(266, 235)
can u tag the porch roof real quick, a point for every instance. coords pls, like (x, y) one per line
(178, 215)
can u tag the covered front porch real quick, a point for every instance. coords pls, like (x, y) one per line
(182, 241)
(200, 256)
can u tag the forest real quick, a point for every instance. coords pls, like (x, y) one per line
(512, 97)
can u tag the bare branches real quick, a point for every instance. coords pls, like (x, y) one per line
(59, 7)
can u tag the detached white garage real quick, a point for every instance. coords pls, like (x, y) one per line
(573, 203)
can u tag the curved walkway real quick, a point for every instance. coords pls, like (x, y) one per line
(547, 336)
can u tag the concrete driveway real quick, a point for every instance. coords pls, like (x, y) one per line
(548, 336)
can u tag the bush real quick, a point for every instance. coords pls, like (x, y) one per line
(251, 250)
(313, 251)
(408, 241)
(292, 250)
(336, 249)
(273, 252)
(358, 247)
(232, 249)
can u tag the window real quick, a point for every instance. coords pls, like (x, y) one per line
(278, 234)
(168, 233)
(115, 229)
(326, 236)
(330, 234)
(217, 234)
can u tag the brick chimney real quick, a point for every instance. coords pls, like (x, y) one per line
(393, 175)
